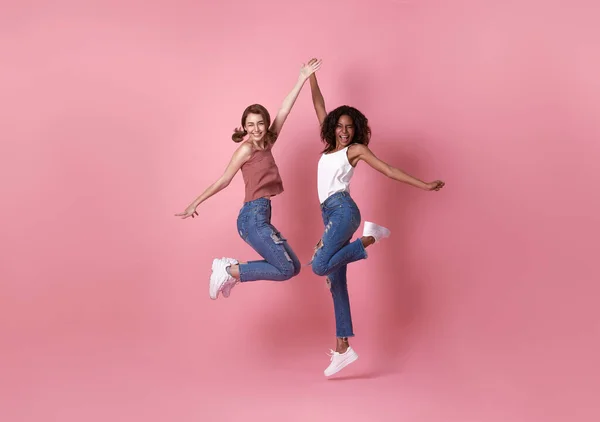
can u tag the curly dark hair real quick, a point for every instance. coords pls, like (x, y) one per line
(362, 131)
(238, 136)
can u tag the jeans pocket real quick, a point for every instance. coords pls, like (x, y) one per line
(355, 217)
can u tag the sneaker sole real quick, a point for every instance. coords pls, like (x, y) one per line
(213, 290)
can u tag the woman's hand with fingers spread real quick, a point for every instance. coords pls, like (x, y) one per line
(308, 69)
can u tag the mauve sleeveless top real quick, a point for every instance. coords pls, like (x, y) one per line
(261, 175)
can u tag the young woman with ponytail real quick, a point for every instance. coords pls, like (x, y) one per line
(257, 137)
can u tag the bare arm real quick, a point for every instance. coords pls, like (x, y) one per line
(318, 100)
(290, 99)
(240, 156)
(317, 97)
(361, 152)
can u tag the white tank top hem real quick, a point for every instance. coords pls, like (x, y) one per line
(334, 174)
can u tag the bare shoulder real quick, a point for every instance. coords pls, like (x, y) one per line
(243, 152)
(357, 151)
(358, 148)
(245, 148)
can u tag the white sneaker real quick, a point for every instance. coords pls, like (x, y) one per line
(226, 290)
(378, 232)
(340, 360)
(218, 277)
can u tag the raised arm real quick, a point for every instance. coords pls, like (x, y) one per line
(317, 97)
(286, 107)
(240, 156)
(361, 152)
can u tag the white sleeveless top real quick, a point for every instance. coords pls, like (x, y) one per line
(334, 174)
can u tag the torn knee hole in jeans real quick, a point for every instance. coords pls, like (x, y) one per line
(319, 244)
(276, 238)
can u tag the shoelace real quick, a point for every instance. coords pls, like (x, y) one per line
(331, 354)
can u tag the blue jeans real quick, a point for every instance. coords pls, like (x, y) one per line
(341, 217)
(254, 226)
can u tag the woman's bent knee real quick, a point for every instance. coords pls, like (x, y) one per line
(297, 268)
(319, 269)
(289, 270)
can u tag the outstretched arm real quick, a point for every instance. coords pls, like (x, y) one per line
(317, 97)
(286, 107)
(240, 156)
(362, 152)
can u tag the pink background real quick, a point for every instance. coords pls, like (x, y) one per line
(481, 307)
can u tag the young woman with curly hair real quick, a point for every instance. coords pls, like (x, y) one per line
(346, 134)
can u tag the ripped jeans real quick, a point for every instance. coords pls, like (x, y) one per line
(341, 217)
(254, 226)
